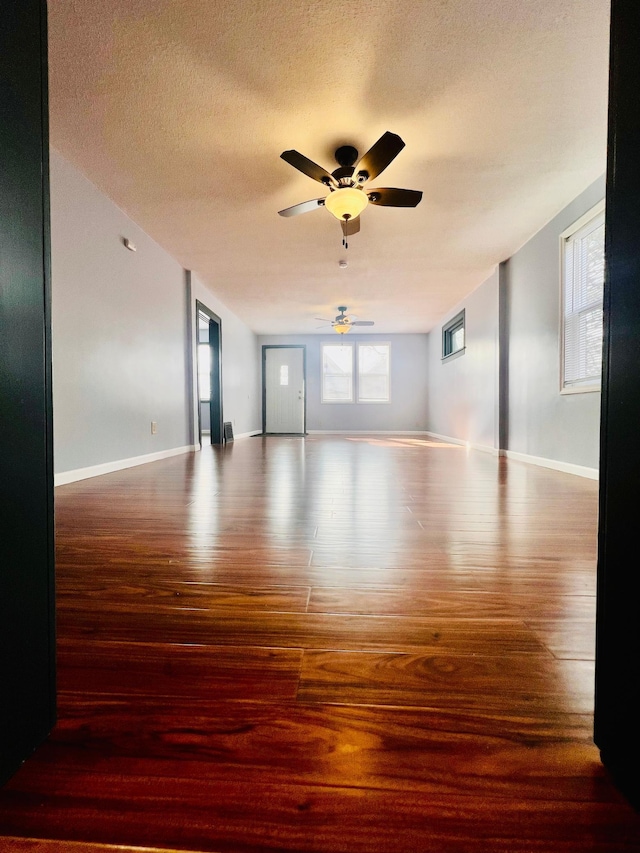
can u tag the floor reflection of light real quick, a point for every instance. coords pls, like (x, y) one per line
(355, 749)
(357, 494)
(204, 507)
(285, 483)
(405, 442)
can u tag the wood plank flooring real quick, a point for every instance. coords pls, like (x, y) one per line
(322, 645)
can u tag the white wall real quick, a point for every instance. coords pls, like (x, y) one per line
(542, 422)
(407, 411)
(118, 332)
(241, 368)
(463, 389)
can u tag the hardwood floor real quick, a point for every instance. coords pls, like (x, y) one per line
(375, 645)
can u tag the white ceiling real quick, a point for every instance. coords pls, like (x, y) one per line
(179, 110)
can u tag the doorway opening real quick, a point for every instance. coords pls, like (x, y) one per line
(209, 360)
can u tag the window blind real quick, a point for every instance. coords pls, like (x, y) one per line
(337, 373)
(582, 304)
(373, 373)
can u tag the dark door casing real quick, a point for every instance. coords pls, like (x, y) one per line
(215, 399)
(27, 631)
(617, 708)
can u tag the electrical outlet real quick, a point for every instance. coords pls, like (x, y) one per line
(154, 427)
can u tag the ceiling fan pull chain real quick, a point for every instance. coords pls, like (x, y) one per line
(345, 226)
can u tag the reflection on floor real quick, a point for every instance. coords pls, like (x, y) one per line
(341, 643)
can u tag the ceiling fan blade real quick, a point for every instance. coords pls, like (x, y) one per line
(303, 207)
(362, 323)
(392, 197)
(378, 157)
(308, 167)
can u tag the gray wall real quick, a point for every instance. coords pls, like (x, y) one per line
(539, 421)
(124, 337)
(407, 410)
(543, 422)
(119, 323)
(463, 390)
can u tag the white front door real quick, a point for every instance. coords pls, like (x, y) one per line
(284, 389)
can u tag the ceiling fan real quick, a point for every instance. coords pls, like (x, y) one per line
(347, 196)
(343, 322)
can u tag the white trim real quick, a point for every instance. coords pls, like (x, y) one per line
(109, 467)
(484, 448)
(565, 467)
(580, 389)
(248, 434)
(585, 219)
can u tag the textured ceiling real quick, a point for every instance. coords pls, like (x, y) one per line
(179, 109)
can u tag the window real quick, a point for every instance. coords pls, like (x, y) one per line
(373, 373)
(582, 292)
(453, 336)
(373, 382)
(284, 374)
(337, 373)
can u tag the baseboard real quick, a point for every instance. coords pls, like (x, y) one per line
(248, 434)
(565, 467)
(120, 464)
(484, 448)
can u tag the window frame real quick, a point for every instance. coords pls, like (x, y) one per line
(351, 347)
(448, 330)
(357, 372)
(585, 386)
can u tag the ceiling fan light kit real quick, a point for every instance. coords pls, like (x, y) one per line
(346, 203)
(347, 197)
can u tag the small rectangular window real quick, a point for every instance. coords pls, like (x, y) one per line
(337, 373)
(453, 336)
(373, 373)
(582, 294)
(284, 374)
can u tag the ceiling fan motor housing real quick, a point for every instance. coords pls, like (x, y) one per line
(346, 155)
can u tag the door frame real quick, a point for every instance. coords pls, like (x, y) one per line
(27, 582)
(302, 347)
(215, 399)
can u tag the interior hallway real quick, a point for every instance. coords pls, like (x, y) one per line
(366, 644)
